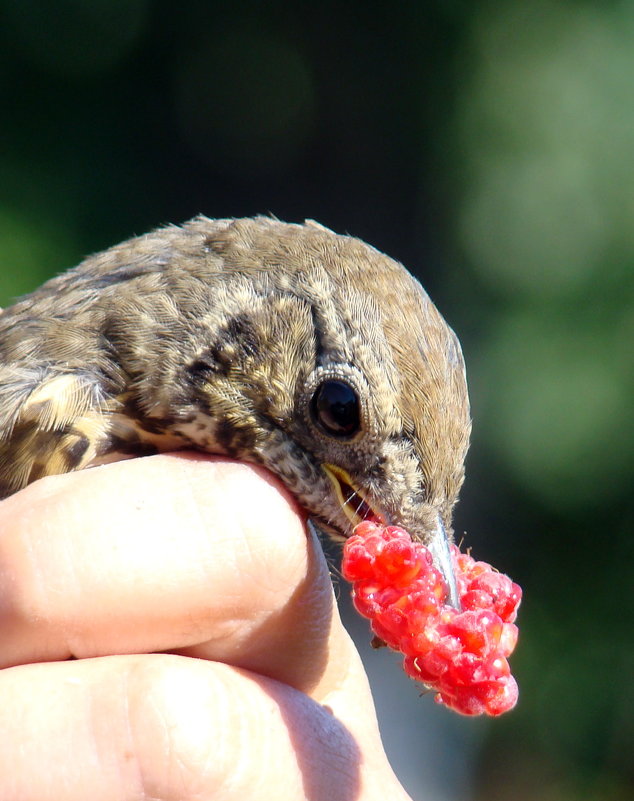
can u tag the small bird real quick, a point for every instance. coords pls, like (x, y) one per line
(285, 345)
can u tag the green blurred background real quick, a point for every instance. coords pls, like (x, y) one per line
(488, 146)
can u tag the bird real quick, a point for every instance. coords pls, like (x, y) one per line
(286, 345)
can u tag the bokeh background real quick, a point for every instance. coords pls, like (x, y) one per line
(490, 147)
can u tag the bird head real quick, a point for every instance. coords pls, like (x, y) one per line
(331, 366)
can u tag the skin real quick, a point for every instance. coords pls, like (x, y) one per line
(250, 689)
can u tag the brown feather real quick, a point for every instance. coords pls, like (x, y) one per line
(212, 335)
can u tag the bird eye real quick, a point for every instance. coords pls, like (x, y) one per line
(335, 406)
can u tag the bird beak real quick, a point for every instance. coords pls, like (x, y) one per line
(351, 498)
(439, 549)
(356, 509)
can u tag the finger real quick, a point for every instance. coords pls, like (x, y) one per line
(169, 727)
(163, 553)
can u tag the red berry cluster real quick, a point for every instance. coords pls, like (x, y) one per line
(461, 655)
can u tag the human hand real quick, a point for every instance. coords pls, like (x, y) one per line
(257, 691)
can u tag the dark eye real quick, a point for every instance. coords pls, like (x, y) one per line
(335, 406)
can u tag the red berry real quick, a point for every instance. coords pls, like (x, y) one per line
(476, 599)
(462, 655)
